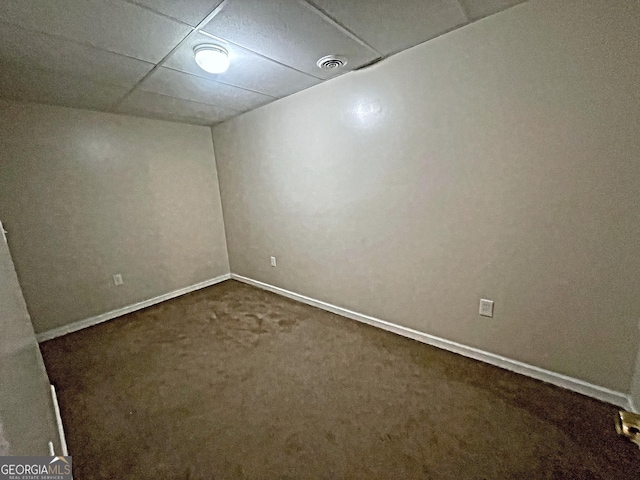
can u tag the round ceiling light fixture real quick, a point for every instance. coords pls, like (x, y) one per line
(331, 62)
(212, 58)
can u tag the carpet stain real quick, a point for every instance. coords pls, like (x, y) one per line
(232, 382)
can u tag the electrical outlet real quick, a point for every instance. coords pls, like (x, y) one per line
(486, 308)
(273, 261)
(117, 279)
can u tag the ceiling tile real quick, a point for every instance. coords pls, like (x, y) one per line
(189, 87)
(108, 24)
(169, 108)
(287, 31)
(38, 50)
(187, 11)
(46, 86)
(247, 69)
(481, 8)
(167, 117)
(390, 27)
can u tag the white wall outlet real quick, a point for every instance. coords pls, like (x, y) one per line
(117, 279)
(486, 308)
(273, 261)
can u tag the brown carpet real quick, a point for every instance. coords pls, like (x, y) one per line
(233, 382)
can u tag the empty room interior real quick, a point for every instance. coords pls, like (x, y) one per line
(255, 239)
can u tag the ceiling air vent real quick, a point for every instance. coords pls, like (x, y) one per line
(331, 62)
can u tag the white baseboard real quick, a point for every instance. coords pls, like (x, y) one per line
(56, 409)
(88, 322)
(595, 391)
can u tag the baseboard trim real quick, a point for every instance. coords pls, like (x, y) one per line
(89, 322)
(595, 391)
(56, 409)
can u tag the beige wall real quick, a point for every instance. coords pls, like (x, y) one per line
(85, 195)
(499, 161)
(27, 419)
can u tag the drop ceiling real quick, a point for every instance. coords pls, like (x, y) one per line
(136, 57)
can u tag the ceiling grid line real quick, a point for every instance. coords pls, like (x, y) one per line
(157, 12)
(193, 101)
(213, 37)
(328, 18)
(137, 57)
(77, 42)
(193, 32)
(83, 76)
(219, 81)
(76, 20)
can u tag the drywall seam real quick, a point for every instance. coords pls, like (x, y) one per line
(88, 322)
(595, 391)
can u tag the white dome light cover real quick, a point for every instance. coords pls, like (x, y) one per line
(212, 58)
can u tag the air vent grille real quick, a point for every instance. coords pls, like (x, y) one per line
(332, 62)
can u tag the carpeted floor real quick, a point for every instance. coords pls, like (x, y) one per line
(232, 382)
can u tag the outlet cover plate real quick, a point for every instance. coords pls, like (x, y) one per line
(486, 307)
